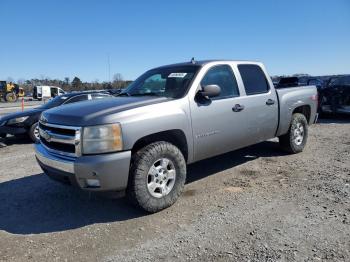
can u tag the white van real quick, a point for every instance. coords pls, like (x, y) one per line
(47, 92)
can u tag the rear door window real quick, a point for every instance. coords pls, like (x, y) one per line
(254, 79)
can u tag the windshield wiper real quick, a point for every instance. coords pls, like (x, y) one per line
(123, 94)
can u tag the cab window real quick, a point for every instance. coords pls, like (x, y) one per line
(222, 75)
(254, 79)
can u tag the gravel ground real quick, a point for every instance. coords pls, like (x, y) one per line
(254, 204)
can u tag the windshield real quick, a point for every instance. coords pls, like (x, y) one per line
(172, 82)
(345, 80)
(57, 101)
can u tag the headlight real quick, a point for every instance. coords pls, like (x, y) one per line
(17, 120)
(102, 139)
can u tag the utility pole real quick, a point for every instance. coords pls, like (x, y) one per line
(109, 67)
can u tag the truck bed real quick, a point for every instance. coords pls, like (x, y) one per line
(291, 98)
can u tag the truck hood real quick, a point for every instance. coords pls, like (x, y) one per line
(93, 112)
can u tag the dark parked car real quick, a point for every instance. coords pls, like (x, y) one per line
(335, 96)
(26, 122)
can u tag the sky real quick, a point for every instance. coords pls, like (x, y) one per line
(58, 39)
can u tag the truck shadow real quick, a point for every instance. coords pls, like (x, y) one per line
(217, 164)
(35, 204)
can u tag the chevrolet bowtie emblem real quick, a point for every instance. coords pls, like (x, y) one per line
(45, 135)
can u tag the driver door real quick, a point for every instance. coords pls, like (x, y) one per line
(219, 125)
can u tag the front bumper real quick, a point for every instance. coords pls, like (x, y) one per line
(111, 170)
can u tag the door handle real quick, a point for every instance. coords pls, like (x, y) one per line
(270, 102)
(237, 108)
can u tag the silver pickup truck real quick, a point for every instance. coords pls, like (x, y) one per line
(141, 142)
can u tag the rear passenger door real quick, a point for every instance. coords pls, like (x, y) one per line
(260, 103)
(218, 124)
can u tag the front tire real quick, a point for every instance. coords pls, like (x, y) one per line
(11, 97)
(157, 176)
(295, 140)
(34, 132)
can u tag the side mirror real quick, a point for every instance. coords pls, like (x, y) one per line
(210, 90)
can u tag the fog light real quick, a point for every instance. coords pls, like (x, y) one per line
(93, 182)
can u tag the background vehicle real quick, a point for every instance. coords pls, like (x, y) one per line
(27, 122)
(335, 96)
(284, 82)
(170, 116)
(10, 92)
(46, 92)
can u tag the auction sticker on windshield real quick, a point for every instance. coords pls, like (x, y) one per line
(179, 75)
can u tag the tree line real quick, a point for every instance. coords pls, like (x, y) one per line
(75, 84)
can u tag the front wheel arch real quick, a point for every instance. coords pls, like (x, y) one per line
(174, 136)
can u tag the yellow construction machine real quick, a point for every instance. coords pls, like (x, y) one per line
(10, 92)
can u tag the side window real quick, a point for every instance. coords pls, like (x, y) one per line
(222, 76)
(77, 99)
(254, 79)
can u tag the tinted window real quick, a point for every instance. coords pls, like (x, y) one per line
(254, 79)
(223, 77)
(57, 101)
(77, 99)
(340, 81)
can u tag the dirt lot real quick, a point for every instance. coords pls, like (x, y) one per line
(255, 204)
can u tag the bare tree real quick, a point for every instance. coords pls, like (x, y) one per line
(9, 79)
(117, 77)
(117, 80)
(20, 81)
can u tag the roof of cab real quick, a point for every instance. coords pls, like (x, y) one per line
(204, 62)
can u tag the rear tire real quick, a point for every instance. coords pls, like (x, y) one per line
(34, 132)
(295, 140)
(157, 176)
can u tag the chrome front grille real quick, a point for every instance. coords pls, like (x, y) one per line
(61, 140)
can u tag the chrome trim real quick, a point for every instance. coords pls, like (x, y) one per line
(60, 126)
(49, 160)
(53, 137)
(78, 142)
(59, 153)
(63, 139)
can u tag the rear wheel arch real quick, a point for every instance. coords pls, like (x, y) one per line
(305, 110)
